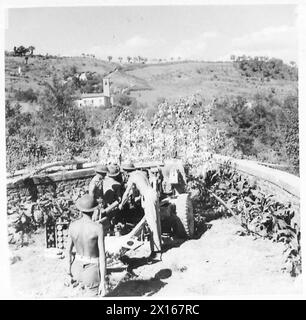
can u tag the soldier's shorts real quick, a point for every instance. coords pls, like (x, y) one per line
(88, 275)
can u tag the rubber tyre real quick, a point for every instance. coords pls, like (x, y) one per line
(184, 227)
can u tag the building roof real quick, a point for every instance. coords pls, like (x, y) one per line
(92, 95)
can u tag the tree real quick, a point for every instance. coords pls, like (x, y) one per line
(238, 119)
(23, 147)
(128, 58)
(15, 119)
(120, 59)
(292, 132)
(109, 58)
(124, 100)
(264, 67)
(26, 95)
(60, 118)
(31, 49)
(20, 51)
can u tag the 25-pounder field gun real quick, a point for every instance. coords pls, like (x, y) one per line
(127, 229)
(175, 209)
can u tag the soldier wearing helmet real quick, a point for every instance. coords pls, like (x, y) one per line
(149, 201)
(112, 185)
(112, 193)
(95, 187)
(87, 237)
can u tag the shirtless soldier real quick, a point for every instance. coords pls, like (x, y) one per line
(87, 238)
(149, 201)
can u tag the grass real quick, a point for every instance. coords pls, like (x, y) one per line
(208, 79)
(146, 82)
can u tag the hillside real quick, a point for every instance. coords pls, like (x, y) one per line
(40, 70)
(148, 82)
(209, 79)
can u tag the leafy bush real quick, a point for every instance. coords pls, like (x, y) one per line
(15, 119)
(264, 67)
(24, 219)
(174, 130)
(123, 100)
(28, 95)
(224, 192)
(23, 148)
(292, 132)
(263, 128)
(61, 120)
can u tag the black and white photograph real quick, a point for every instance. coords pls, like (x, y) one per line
(151, 151)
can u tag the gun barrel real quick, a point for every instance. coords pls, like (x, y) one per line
(107, 210)
(111, 207)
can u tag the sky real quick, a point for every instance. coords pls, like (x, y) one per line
(190, 32)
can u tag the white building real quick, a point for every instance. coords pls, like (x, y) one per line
(96, 100)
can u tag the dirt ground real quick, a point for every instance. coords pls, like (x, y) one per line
(219, 263)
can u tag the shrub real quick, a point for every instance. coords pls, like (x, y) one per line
(60, 119)
(123, 99)
(263, 128)
(28, 95)
(264, 67)
(292, 132)
(15, 119)
(224, 191)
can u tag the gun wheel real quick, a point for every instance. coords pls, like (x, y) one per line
(184, 227)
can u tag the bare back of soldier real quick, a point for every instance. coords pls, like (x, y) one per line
(87, 239)
(84, 234)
